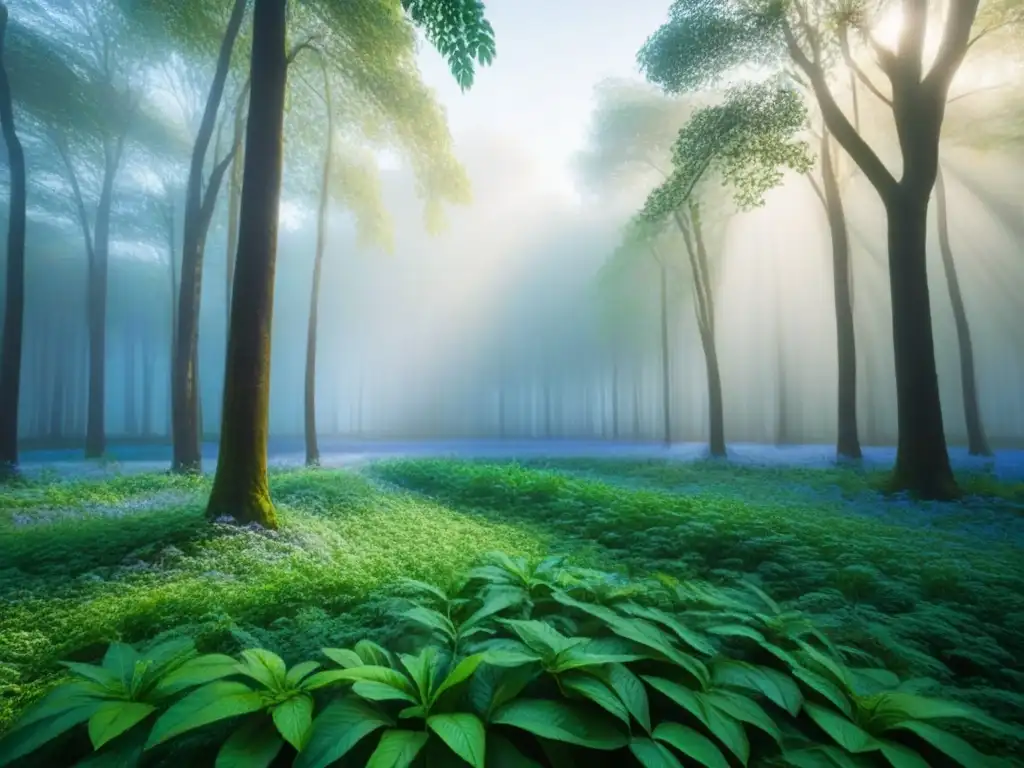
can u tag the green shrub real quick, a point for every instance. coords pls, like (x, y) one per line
(525, 664)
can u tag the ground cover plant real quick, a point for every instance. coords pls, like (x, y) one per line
(131, 560)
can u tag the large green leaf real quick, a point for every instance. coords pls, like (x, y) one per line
(502, 753)
(367, 672)
(342, 724)
(743, 709)
(541, 637)
(300, 672)
(777, 686)
(723, 726)
(845, 733)
(494, 602)
(464, 734)
(651, 754)
(265, 667)
(589, 687)
(215, 701)
(107, 678)
(631, 691)
(431, 619)
(945, 742)
(894, 707)
(120, 659)
(372, 653)
(694, 745)
(63, 698)
(343, 657)
(825, 687)
(691, 637)
(254, 744)
(114, 718)
(196, 671)
(22, 741)
(462, 672)
(492, 687)
(293, 718)
(561, 721)
(374, 691)
(397, 749)
(901, 756)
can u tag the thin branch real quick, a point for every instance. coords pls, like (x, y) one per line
(975, 92)
(844, 46)
(955, 39)
(817, 189)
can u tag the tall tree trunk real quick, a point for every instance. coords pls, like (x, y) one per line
(172, 273)
(186, 418)
(922, 461)
(666, 362)
(14, 303)
(637, 398)
(977, 442)
(148, 364)
(312, 449)
(848, 439)
(240, 486)
(615, 399)
(131, 415)
(234, 201)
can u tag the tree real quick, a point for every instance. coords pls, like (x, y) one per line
(703, 41)
(14, 306)
(458, 28)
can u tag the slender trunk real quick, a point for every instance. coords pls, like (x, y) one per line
(173, 275)
(240, 486)
(615, 399)
(706, 325)
(312, 449)
(848, 440)
(131, 416)
(148, 363)
(81, 390)
(977, 442)
(186, 418)
(14, 303)
(666, 363)
(234, 201)
(922, 462)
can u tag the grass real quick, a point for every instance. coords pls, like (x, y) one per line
(132, 558)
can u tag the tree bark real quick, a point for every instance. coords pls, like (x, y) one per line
(186, 419)
(234, 201)
(977, 442)
(172, 352)
(240, 487)
(312, 449)
(848, 439)
(666, 362)
(14, 303)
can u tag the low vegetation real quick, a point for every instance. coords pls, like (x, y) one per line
(127, 568)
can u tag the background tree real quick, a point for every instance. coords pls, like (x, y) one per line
(14, 304)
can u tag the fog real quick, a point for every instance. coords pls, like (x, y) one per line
(495, 326)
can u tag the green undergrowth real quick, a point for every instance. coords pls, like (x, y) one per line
(69, 587)
(927, 603)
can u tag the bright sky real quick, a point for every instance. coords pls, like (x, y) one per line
(551, 53)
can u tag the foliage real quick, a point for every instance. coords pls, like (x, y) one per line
(524, 654)
(459, 31)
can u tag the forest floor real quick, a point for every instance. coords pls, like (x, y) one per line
(86, 560)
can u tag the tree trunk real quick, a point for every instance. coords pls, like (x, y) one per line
(14, 303)
(234, 202)
(312, 449)
(186, 418)
(131, 415)
(666, 363)
(58, 395)
(637, 425)
(173, 275)
(240, 486)
(148, 363)
(848, 440)
(977, 442)
(922, 462)
(615, 399)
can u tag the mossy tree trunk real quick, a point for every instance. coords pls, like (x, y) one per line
(240, 486)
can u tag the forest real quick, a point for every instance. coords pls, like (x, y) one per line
(437, 383)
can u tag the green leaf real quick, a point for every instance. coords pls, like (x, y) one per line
(894, 707)
(431, 619)
(22, 741)
(422, 668)
(99, 675)
(901, 756)
(196, 671)
(371, 653)
(836, 671)
(215, 701)
(690, 637)
(825, 687)
(125, 751)
(397, 749)
(776, 686)
(462, 672)
(492, 687)
(265, 667)
(342, 724)
(503, 657)
(424, 588)
(741, 708)
(299, 672)
(541, 637)
(344, 658)
(293, 718)
(374, 691)
(63, 698)
(464, 734)
(825, 756)
(694, 745)
(723, 726)
(589, 687)
(494, 602)
(561, 721)
(120, 659)
(165, 656)
(947, 743)
(651, 754)
(501, 753)
(846, 734)
(367, 673)
(631, 691)
(114, 718)
(252, 745)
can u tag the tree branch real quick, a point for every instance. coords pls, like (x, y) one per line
(910, 46)
(844, 47)
(955, 40)
(975, 92)
(817, 189)
(838, 124)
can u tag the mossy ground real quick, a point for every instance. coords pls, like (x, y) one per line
(131, 558)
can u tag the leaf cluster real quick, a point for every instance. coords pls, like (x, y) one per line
(526, 663)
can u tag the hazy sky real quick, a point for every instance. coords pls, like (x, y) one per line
(539, 89)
